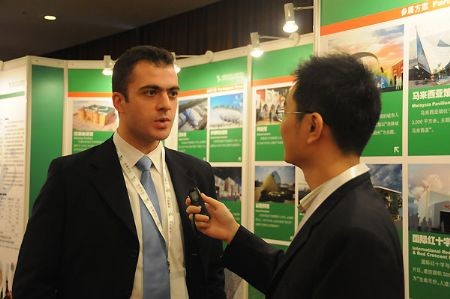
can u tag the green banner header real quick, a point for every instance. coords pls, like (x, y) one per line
(216, 74)
(89, 80)
(333, 11)
(280, 63)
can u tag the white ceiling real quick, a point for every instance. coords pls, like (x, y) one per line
(23, 31)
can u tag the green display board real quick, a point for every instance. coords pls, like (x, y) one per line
(47, 106)
(407, 39)
(429, 121)
(210, 110)
(387, 137)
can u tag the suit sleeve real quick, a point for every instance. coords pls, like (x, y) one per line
(251, 258)
(215, 274)
(40, 253)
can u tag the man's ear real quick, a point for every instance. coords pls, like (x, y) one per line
(315, 127)
(118, 101)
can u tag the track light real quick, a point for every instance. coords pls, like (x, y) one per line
(107, 65)
(209, 55)
(255, 38)
(290, 26)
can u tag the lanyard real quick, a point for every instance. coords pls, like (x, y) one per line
(146, 200)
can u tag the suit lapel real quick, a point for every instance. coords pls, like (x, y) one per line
(179, 175)
(106, 175)
(182, 181)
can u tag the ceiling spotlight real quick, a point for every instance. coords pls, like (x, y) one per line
(256, 49)
(108, 65)
(177, 68)
(290, 26)
(50, 18)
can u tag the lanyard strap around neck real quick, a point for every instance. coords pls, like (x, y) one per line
(146, 200)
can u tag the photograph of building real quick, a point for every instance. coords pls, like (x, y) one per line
(193, 114)
(94, 116)
(226, 111)
(275, 183)
(268, 102)
(429, 51)
(380, 49)
(429, 198)
(228, 183)
(387, 181)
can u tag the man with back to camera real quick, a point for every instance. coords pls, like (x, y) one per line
(107, 222)
(346, 245)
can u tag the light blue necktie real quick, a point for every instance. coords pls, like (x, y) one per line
(156, 282)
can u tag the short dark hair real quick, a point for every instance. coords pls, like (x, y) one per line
(344, 92)
(125, 64)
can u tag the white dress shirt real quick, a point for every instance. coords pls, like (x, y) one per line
(313, 200)
(178, 288)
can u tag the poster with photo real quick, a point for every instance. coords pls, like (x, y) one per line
(425, 65)
(380, 48)
(228, 181)
(269, 101)
(93, 121)
(192, 123)
(429, 85)
(274, 202)
(429, 229)
(387, 181)
(225, 143)
(303, 189)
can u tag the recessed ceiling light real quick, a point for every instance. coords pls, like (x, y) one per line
(50, 18)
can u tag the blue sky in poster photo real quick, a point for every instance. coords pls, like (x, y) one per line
(387, 175)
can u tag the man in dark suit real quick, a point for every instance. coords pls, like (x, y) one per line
(84, 237)
(346, 245)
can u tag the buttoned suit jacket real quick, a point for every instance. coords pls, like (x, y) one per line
(348, 248)
(81, 240)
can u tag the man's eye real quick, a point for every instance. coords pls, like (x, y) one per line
(173, 93)
(151, 92)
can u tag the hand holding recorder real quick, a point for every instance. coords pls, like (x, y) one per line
(218, 222)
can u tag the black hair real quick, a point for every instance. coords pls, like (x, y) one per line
(344, 92)
(125, 64)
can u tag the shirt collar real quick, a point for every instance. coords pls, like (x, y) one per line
(132, 154)
(328, 187)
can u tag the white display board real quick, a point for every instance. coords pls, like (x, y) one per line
(13, 182)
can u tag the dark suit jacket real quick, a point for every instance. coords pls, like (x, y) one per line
(81, 239)
(348, 248)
